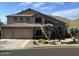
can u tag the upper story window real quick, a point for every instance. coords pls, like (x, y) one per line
(38, 33)
(21, 19)
(38, 20)
(27, 18)
(15, 18)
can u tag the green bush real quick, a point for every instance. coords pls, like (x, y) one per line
(42, 41)
(39, 37)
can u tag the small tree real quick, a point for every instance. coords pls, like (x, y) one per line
(47, 30)
(74, 32)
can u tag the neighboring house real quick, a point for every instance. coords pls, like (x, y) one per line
(1, 24)
(27, 23)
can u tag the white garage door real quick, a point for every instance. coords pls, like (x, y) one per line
(23, 33)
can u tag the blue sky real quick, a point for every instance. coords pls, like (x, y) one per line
(69, 10)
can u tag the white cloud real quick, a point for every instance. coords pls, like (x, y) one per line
(70, 13)
(25, 3)
(33, 4)
(61, 3)
(39, 4)
(46, 8)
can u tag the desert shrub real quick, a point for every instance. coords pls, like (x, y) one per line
(39, 37)
(42, 41)
(53, 42)
(34, 42)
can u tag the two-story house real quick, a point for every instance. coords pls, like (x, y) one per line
(27, 23)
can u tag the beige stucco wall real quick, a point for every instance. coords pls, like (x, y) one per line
(11, 20)
(17, 33)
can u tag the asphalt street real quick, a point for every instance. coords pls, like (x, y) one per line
(42, 51)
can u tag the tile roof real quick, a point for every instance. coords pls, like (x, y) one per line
(62, 19)
(27, 12)
(21, 15)
(30, 12)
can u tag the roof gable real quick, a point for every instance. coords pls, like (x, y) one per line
(28, 11)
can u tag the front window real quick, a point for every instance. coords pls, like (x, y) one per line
(38, 20)
(38, 32)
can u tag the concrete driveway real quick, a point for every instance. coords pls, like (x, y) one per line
(9, 44)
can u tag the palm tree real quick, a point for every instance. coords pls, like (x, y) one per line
(47, 30)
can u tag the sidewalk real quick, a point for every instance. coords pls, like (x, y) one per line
(14, 44)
